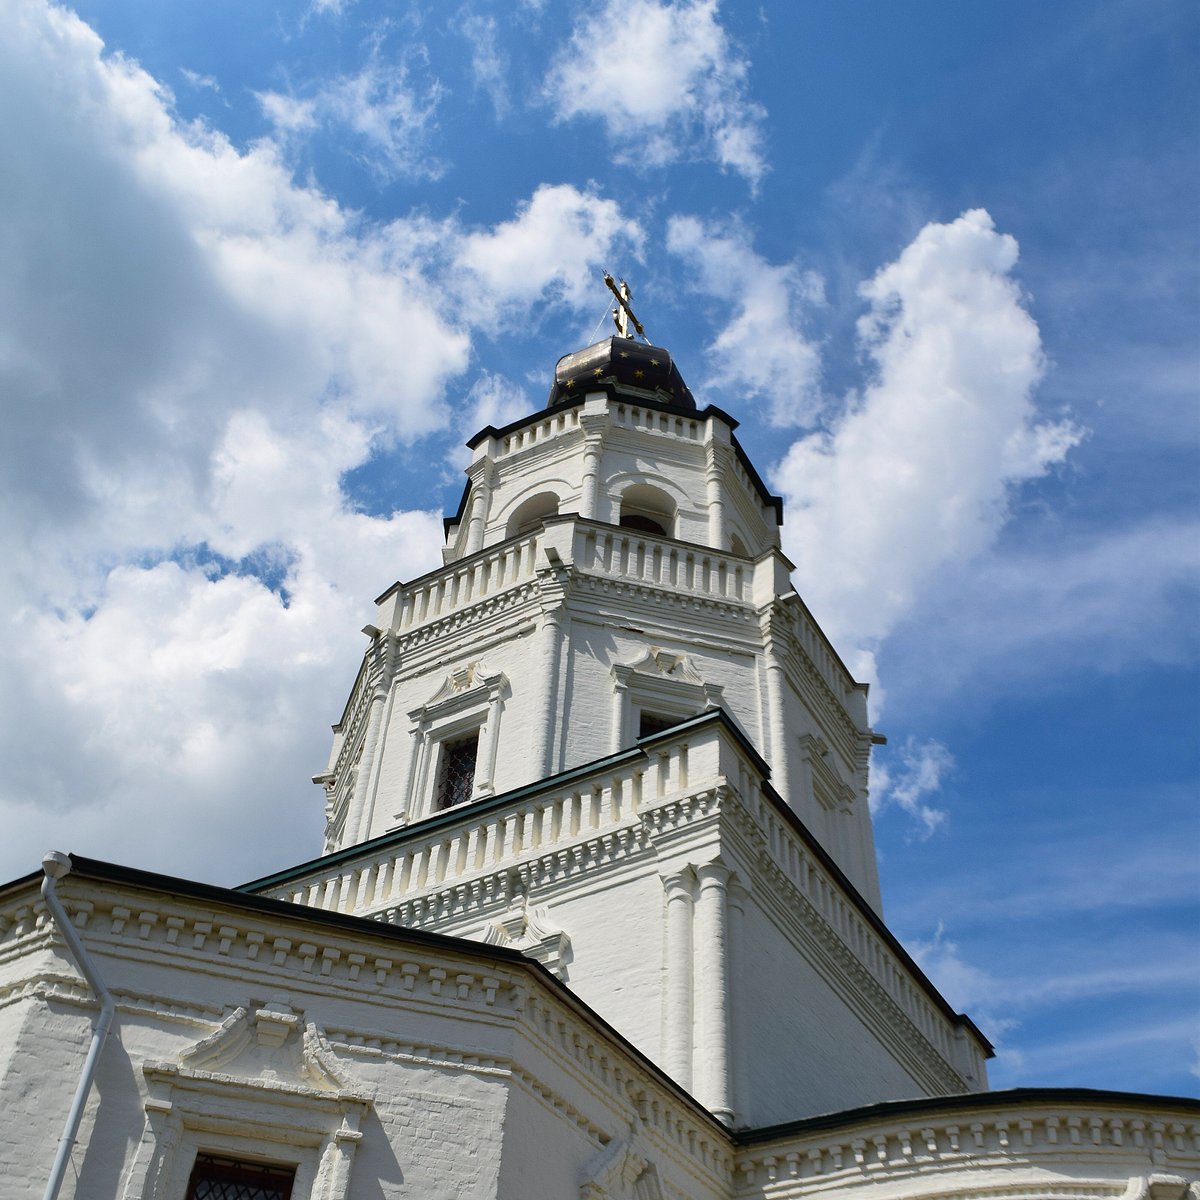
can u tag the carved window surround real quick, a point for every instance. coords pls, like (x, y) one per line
(660, 682)
(828, 787)
(264, 1083)
(471, 698)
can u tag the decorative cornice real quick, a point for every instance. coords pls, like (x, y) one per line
(974, 1133)
(498, 886)
(652, 1108)
(478, 611)
(663, 595)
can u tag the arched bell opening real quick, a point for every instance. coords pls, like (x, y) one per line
(648, 510)
(531, 513)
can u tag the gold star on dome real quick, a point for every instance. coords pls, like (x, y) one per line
(568, 383)
(654, 362)
(598, 372)
(639, 374)
(624, 353)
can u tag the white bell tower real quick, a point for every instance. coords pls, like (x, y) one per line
(608, 732)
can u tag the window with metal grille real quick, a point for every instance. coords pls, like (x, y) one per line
(456, 771)
(218, 1178)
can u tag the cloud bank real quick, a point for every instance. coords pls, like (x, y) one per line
(194, 349)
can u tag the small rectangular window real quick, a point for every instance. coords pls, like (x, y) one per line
(217, 1178)
(650, 723)
(456, 771)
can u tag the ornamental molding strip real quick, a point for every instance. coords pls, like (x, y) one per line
(473, 618)
(299, 956)
(461, 899)
(658, 595)
(663, 1117)
(1129, 1149)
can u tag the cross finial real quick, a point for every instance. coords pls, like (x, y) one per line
(622, 315)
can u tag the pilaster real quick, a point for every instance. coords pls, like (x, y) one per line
(736, 897)
(383, 652)
(594, 421)
(712, 991)
(677, 991)
(714, 483)
(553, 582)
(776, 683)
(482, 474)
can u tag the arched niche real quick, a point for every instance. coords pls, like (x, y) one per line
(531, 512)
(647, 509)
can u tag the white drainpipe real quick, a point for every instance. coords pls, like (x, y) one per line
(56, 865)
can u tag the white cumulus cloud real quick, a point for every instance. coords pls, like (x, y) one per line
(909, 777)
(918, 471)
(667, 81)
(762, 351)
(489, 61)
(1028, 610)
(384, 117)
(555, 246)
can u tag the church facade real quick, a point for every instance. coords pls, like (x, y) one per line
(597, 914)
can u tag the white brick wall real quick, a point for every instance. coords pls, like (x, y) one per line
(442, 1073)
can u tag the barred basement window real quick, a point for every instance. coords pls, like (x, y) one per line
(217, 1178)
(456, 771)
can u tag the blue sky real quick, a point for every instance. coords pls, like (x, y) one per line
(266, 268)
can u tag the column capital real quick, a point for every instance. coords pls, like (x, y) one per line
(713, 875)
(552, 603)
(678, 883)
(594, 423)
(482, 470)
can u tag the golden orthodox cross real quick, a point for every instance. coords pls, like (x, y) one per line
(622, 315)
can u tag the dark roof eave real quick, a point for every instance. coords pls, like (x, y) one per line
(481, 808)
(929, 1105)
(33, 879)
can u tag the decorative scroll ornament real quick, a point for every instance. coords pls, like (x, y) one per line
(531, 931)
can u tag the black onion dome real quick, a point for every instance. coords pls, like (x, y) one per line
(621, 363)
